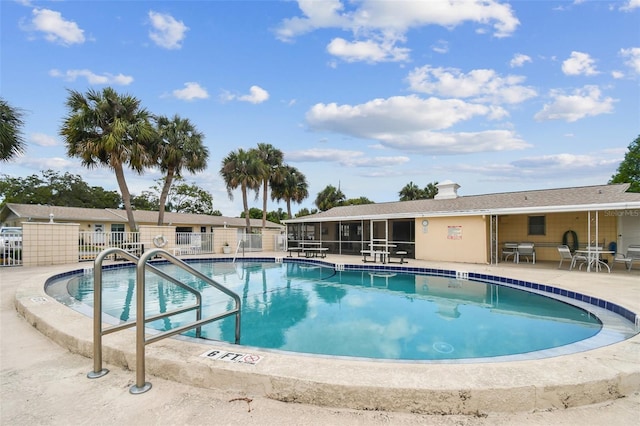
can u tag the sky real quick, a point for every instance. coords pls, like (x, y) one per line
(363, 95)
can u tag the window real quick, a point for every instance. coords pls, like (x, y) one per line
(537, 225)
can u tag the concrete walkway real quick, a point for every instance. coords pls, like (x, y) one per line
(43, 382)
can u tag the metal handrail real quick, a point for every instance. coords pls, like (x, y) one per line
(141, 385)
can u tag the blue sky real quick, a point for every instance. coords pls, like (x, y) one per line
(366, 95)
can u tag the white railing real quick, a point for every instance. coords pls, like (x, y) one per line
(91, 243)
(252, 242)
(194, 242)
(11, 249)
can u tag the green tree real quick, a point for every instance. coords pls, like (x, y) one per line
(411, 191)
(306, 212)
(147, 201)
(356, 201)
(629, 169)
(12, 142)
(329, 197)
(241, 169)
(112, 130)
(56, 189)
(431, 190)
(292, 187)
(180, 147)
(254, 213)
(190, 198)
(270, 170)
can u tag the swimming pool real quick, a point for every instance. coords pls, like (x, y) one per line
(310, 307)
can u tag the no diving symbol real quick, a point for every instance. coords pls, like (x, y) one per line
(251, 359)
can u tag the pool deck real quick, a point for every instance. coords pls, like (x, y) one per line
(44, 361)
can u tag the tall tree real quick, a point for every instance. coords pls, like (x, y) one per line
(292, 187)
(431, 190)
(271, 159)
(411, 191)
(56, 189)
(12, 143)
(112, 130)
(329, 197)
(241, 169)
(629, 169)
(179, 147)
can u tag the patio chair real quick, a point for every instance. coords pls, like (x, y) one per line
(508, 250)
(565, 254)
(632, 254)
(526, 250)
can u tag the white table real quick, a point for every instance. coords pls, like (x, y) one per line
(594, 260)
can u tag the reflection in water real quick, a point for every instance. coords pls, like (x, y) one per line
(310, 308)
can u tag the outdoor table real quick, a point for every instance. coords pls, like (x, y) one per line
(594, 260)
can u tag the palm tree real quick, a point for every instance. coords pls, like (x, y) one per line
(329, 197)
(411, 192)
(431, 190)
(241, 169)
(180, 147)
(12, 143)
(108, 129)
(292, 187)
(271, 158)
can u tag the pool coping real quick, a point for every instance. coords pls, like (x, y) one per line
(565, 381)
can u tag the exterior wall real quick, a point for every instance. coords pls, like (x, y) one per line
(149, 232)
(49, 243)
(452, 239)
(514, 228)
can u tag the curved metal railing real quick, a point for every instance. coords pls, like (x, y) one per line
(141, 385)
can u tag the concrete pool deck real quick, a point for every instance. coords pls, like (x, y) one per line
(41, 372)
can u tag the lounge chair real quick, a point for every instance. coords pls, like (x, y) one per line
(565, 254)
(633, 254)
(509, 250)
(526, 250)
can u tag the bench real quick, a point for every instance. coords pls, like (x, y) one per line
(292, 250)
(633, 254)
(315, 251)
(374, 253)
(401, 254)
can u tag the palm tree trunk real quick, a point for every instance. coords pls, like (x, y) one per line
(126, 196)
(289, 208)
(245, 204)
(264, 204)
(164, 194)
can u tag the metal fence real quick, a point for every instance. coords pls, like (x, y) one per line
(91, 243)
(11, 248)
(194, 242)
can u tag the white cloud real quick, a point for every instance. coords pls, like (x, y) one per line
(92, 78)
(481, 85)
(519, 60)
(378, 26)
(632, 56)
(412, 123)
(579, 64)
(42, 139)
(344, 158)
(585, 102)
(441, 46)
(190, 92)
(617, 74)
(167, 32)
(630, 5)
(55, 28)
(257, 95)
(367, 51)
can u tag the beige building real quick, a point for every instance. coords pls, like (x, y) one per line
(474, 229)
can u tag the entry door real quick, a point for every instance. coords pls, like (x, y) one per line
(379, 233)
(629, 229)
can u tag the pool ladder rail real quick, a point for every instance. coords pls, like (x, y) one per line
(142, 266)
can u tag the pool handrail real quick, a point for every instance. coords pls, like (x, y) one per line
(142, 266)
(98, 331)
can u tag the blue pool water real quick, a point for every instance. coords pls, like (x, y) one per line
(309, 308)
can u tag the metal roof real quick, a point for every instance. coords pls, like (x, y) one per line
(585, 198)
(78, 214)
